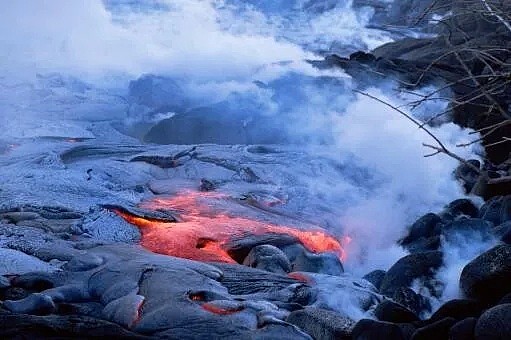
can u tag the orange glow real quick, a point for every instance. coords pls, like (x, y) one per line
(301, 277)
(220, 311)
(202, 232)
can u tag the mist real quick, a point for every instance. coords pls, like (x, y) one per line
(252, 57)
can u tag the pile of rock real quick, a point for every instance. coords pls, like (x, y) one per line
(484, 312)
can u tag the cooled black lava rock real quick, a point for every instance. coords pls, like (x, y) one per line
(367, 329)
(494, 324)
(488, 277)
(436, 330)
(467, 175)
(269, 258)
(322, 324)
(497, 210)
(375, 277)
(409, 268)
(424, 227)
(460, 207)
(458, 309)
(468, 227)
(503, 232)
(411, 300)
(463, 330)
(22, 326)
(425, 244)
(393, 312)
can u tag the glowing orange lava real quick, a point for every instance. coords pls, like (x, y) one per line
(202, 232)
(220, 311)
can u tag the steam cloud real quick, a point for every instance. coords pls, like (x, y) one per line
(215, 49)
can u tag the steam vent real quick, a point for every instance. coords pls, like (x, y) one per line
(255, 169)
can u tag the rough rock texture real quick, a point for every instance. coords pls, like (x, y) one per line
(54, 326)
(494, 324)
(497, 210)
(459, 309)
(367, 329)
(130, 287)
(488, 277)
(393, 312)
(375, 277)
(411, 300)
(322, 324)
(409, 268)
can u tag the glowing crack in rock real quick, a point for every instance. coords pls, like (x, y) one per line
(203, 229)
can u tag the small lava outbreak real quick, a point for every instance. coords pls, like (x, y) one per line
(202, 232)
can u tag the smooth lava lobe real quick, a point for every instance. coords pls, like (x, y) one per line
(201, 232)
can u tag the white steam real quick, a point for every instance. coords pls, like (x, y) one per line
(214, 49)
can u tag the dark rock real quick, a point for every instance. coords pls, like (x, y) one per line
(393, 312)
(497, 210)
(424, 227)
(279, 331)
(468, 227)
(436, 330)
(269, 258)
(92, 309)
(34, 281)
(367, 329)
(407, 329)
(409, 268)
(14, 293)
(411, 300)
(460, 207)
(458, 309)
(362, 57)
(424, 244)
(37, 327)
(494, 324)
(375, 277)
(488, 277)
(37, 304)
(152, 215)
(4, 282)
(322, 324)
(467, 175)
(206, 185)
(463, 330)
(503, 232)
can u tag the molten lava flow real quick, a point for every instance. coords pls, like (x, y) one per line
(219, 310)
(202, 232)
